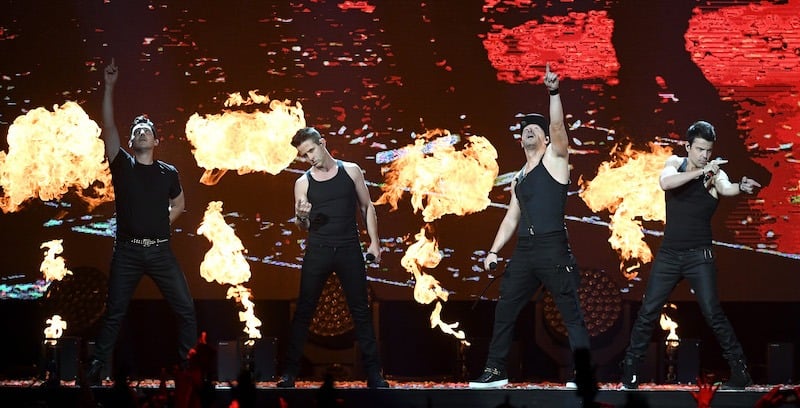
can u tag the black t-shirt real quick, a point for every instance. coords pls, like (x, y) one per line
(143, 193)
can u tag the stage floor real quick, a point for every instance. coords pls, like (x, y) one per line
(353, 394)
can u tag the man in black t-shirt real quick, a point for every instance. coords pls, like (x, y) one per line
(148, 198)
(692, 186)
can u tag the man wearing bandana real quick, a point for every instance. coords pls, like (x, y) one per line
(148, 199)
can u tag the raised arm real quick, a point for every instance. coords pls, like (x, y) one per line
(558, 131)
(110, 133)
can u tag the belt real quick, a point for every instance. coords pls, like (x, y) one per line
(147, 242)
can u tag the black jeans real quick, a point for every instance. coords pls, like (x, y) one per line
(128, 264)
(318, 264)
(669, 268)
(538, 260)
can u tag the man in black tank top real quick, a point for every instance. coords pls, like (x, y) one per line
(543, 256)
(326, 199)
(149, 198)
(692, 187)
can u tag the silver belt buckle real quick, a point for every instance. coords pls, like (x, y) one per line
(147, 242)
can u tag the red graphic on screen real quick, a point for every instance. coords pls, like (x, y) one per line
(749, 53)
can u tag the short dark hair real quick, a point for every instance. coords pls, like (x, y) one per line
(306, 133)
(701, 129)
(143, 119)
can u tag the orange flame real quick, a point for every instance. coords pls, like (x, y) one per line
(226, 264)
(446, 181)
(53, 267)
(669, 324)
(251, 323)
(628, 187)
(425, 253)
(245, 141)
(55, 329)
(51, 152)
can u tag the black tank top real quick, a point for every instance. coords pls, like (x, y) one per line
(543, 199)
(333, 209)
(689, 211)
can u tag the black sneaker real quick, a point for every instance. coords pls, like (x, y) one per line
(630, 381)
(376, 380)
(94, 372)
(740, 378)
(491, 378)
(286, 381)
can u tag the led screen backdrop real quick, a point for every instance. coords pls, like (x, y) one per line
(374, 76)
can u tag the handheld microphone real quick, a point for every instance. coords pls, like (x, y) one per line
(369, 257)
(492, 266)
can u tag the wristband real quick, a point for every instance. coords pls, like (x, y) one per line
(492, 252)
(553, 91)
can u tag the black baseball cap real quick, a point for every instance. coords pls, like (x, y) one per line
(535, 119)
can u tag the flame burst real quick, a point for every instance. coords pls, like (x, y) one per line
(425, 253)
(225, 264)
(55, 329)
(446, 181)
(51, 152)
(245, 141)
(628, 187)
(670, 325)
(53, 267)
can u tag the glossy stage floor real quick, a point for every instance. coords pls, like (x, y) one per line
(428, 394)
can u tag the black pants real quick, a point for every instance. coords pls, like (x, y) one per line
(669, 268)
(128, 264)
(538, 260)
(318, 264)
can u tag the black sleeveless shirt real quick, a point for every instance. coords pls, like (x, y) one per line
(543, 199)
(689, 211)
(333, 209)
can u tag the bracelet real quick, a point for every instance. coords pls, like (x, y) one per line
(553, 91)
(492, 252)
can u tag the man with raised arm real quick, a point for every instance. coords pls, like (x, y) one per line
(148, 198)
(535, 217)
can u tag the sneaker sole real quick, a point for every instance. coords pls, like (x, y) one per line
(571, 385)
(487, 385)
